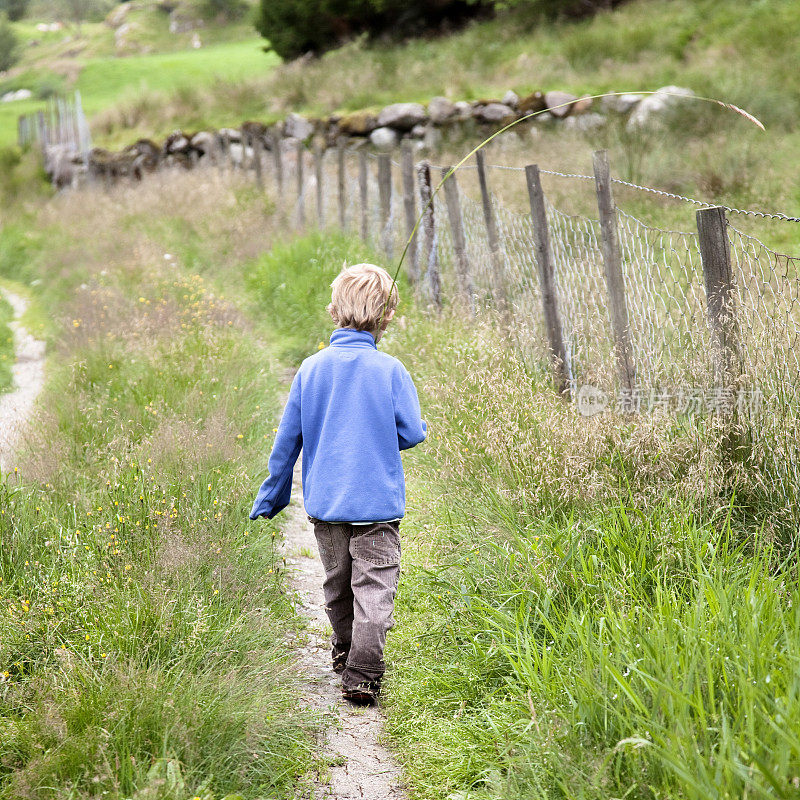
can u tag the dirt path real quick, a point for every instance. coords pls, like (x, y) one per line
(17, 404)
(362, 769)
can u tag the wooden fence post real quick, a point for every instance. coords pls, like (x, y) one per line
(410, 210)
(544, 261)
(495, 253)
(459, 240)
(715, 252)
(277, 156)
(340, 184)
(318, 181)
(431, 280)
(258, 149)
(615, 281)
(362, 185)
(301, 200)
(385, 196)
(226, 150)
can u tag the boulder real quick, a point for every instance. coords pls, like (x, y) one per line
(176, 142)
(402, 116)
(232, 134)
(20, 94)
(511, 98)
(384, 138)
(254, 130)
(239, 155)
(652, 109)
(531, 103)
(204, 142)
(585, 122)
(493, 113)
(559, 103)
(621, 103)
(358, 123)
(116, 16)
(440, 109)
(297, 127)
(418, 131)
(463, 109)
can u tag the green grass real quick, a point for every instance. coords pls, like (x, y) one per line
(575, 623)
(588, 609)
(142, 646)
(151, 60)
(107, 80)
(102, 81)
(291, 284)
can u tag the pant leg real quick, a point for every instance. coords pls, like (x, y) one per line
(333, 542)
(375, 553)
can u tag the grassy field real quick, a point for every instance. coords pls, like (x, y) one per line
(587, 608)
(735, 52)
(148, 60)
(142, 648)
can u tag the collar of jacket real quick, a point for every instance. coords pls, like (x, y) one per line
(349, 337)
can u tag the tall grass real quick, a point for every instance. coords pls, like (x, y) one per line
(587, 609)
(142, 633)
(590, 612)
(6, 345)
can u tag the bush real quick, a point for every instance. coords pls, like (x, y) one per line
(292, 285)
(9, 45)
(14, 9)
(294, 27)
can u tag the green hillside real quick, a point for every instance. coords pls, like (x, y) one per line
(146, 60)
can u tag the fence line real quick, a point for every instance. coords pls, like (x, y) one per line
(61, 133)
(697, 320)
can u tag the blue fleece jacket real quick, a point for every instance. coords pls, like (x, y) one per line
(351, 409)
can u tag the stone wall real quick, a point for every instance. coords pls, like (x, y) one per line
(383, 130)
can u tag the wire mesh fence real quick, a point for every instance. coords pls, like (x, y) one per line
(692, 301)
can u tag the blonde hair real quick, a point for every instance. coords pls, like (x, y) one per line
(361, 297)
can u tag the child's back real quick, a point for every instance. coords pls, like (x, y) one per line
(352, 409)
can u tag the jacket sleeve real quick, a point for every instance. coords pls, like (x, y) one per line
(411, 428)
(275, 492)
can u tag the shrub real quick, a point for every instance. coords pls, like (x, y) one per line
(15, 9)
(295, 27)
(9, 45)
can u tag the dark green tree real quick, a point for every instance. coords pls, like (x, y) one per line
(295, 27)
(9, 44)
(14, 9)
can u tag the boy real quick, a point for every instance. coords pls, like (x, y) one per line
(352, 410)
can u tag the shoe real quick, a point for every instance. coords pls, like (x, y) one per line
(365, 694)
(339, 661)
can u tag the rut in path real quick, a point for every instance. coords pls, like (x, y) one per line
(362, 768)
(16, 405)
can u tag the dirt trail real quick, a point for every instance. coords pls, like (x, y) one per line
(16, 405)
(362, 769)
